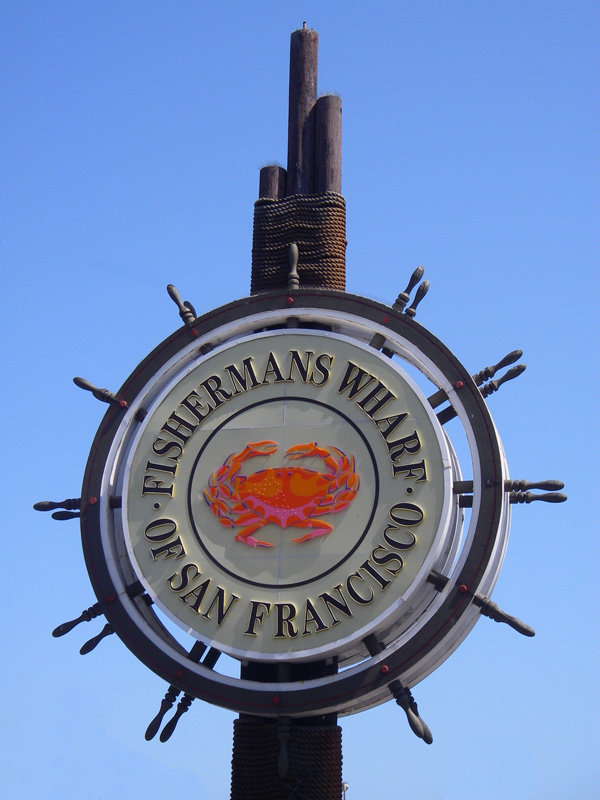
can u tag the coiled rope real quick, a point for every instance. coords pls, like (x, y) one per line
(317, 224)
(314, 756)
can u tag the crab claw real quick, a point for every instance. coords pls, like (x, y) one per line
(246, 537)
(303, 450)
(319, 528)
(255, 542)
(265, 448)
(268, 445)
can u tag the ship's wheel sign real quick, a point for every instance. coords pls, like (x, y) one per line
(275, 483)
(286, 494)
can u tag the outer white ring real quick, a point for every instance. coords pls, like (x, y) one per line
(349, 646)
(121, 572)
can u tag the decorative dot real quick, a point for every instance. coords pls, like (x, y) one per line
(384, 669)
(386, 320)
(409, 490)
(93, 500)
(463, 589)
(123, 403)
(111, 598)
(458, 385)
(276, 700)
(290, 301)
(156, 506)
(180, 673)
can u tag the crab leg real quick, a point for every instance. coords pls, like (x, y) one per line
(320, 529)
(244, 535)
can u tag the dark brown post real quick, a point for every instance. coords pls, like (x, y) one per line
(304, 205)
(328, 144)
(284, 757)
(304, 63)
(272, 182)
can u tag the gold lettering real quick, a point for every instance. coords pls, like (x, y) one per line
(273, 368)
(295, 361)
(340, 605)
(323, 369)
(198, 593)
(285, 627)
(193, 403)
(219, 599)
(409, 444)
(311, 616)
(256, 616)
(358, 598)
(239, 382)
(175, 430)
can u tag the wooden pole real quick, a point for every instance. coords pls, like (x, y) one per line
(304, 62)
(276, 759)
(272, 182)
(328, 144)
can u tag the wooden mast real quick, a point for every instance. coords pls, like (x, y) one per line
(274, 759)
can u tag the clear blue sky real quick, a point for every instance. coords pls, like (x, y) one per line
(132, 141)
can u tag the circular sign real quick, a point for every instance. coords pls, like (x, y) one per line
(286, 494)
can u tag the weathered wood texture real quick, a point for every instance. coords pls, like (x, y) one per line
(328, 144)
(303, 205)
(272, 182)
(304, 62)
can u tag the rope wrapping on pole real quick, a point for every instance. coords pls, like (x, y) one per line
(317, 224)
(314, 755)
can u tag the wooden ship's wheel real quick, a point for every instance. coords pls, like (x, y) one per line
(298, 505)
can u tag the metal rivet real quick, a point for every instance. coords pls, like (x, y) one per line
(123, 403)
(384, 669)
(92, 501)
(290, 301)
(458, 385)
(462, 588)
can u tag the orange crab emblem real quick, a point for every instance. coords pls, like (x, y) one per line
(291, 497)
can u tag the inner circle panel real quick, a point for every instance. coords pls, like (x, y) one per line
(284, 493)
(287, 494)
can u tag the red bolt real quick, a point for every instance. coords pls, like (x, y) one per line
(123, 403)
(290, 301)
(276, 700)
(92, 501)
(386, 320)
(111, 598)
(458, 385)
(180, 673)
(384, 669)
(463, 589)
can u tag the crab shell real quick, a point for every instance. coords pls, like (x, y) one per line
(284, 496)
